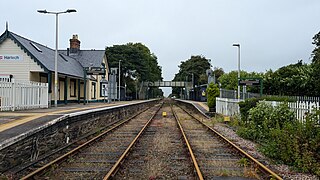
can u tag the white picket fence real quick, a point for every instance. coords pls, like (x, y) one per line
(227, 107)
(230, 107)
(23, 95)
(300, 108)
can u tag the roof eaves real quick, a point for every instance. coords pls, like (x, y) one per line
(4, 36)
(27, 51)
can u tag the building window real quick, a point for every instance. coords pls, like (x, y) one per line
(103, 89)
(43, 78)
(73, 88)
(93, 91)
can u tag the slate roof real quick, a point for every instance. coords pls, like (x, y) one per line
(69, 65)
(87, 58)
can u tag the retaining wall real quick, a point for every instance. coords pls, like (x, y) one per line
(34, 144)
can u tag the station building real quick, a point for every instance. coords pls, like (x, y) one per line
(22, 59)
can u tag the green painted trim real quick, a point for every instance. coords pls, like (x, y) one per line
(49, 82)
(85, 86)
(66, 90)
(79, 85)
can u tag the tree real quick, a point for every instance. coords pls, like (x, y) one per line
(230, 80)
(212, 93)
(138, 64)
(292, 80)
(196, 65)
(316, 64)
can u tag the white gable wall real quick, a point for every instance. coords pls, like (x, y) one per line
(20, 69)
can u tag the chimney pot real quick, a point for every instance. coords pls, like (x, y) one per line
(74, 44)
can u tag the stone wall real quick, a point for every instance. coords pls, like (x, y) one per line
(68, 128)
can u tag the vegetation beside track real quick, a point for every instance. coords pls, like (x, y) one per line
(280, 136)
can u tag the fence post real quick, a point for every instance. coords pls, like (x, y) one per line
(13, 95)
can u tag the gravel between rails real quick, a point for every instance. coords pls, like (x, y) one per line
(95, 161)
(160, 153)
(215, 158)
(251, 148)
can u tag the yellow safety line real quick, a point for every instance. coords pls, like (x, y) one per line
(33, 116)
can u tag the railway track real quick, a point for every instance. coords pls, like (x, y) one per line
(160, 153)
(177, 146)
(93, 159)
(215, 155)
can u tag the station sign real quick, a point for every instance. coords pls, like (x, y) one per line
(95, 71)
(11, 57)
(247, 82)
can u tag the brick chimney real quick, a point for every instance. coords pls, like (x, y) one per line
(74, 44)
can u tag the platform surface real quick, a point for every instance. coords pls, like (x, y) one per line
(202, 106)
(14, 123)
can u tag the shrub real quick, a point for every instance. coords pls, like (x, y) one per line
(277, 98)
(212, 92)
(285, 139)
(245, 106)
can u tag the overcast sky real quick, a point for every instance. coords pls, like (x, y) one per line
(272, 33)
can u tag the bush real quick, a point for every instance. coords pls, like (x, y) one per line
(212, 92)
(284, 138)
(277, 98)
(245, 106)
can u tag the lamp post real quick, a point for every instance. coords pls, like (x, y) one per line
(119, 77)
(238, 45)
(56, 51)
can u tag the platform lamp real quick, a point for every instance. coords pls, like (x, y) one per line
(238, 45)
(56, 51)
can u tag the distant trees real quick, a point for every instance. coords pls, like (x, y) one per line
(293, 80)
(230, 80)
(315, 65)
(299, 79)
(138, 64)
(196, 65)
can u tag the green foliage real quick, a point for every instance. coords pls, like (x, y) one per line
(230, 80)
(277, 98)
(196, 65)
(212, 92)
(245, 106)
(316, 64)
(138, 64)
(291, 80)
(284, 138)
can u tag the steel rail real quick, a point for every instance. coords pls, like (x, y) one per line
(76, 150)
(126, 152)
(262, 167)
(194, 160)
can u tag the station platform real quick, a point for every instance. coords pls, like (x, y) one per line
(14, 123)
(201, 106)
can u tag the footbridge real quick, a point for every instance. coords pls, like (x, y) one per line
(146, 85)
(167, 84)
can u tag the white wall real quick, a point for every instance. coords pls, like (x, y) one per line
(20, 69)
